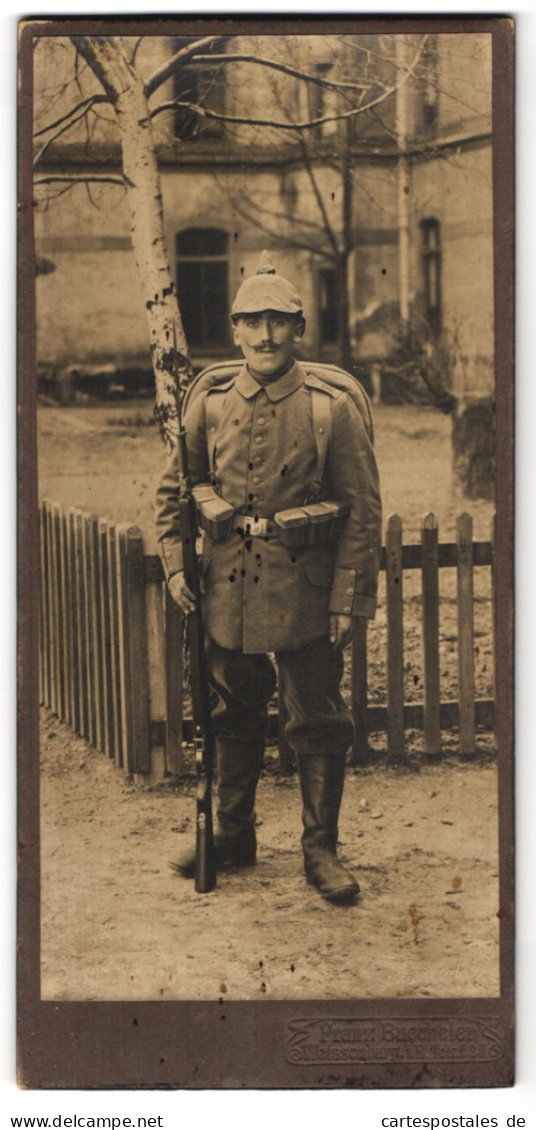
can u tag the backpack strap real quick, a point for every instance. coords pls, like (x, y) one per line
(212, 417)
(322, 395)
(214, 375)
(334, 378)
(321, 409)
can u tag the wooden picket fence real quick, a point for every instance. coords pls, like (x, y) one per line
(111, 657)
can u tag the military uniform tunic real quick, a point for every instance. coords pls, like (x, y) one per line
(256, 443)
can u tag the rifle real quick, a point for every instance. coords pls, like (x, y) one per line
(205, 867)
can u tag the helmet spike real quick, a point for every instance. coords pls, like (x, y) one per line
(266, 290)
(265, 265)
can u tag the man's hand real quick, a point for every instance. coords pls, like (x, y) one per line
(340, 630)
(182, 595)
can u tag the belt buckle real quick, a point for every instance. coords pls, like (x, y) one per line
(258, 527)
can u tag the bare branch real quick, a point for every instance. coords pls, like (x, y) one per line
(371, 54)
(90, 198)
(204, 112)
(305, 76)
(54, 178)
(135, 50)
(85, 105)
(343, 115)
(164, 72)
(56, 195)
(318, 197)
(278, 239)
(74, 121)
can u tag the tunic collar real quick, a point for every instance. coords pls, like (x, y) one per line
(248, 387)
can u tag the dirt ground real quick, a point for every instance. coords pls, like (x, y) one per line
(118, 924)
(420, 837)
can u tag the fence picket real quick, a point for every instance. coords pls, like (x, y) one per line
(58, 612)
(96, 629)
(65, 598)
(466, 663)
(90, 634)
(124, 650)
(174, 684)
(106, 641)
(395, 644)
(52, 602)
(138, 651)
(73, 613)
(430, 622)
(44, 617)
(81, 618)
(156, 666)
(360, 692)
(117, 738)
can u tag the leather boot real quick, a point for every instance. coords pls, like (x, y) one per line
(322, 781)
(235, 844)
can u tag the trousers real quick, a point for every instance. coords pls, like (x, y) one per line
(317, 718)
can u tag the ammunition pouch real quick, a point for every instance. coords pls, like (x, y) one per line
(214, 514)
(315, 524)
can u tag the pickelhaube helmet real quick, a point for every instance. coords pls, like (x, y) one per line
(266, 290)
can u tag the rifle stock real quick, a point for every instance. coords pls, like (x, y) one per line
(205, 870)
(205, 863)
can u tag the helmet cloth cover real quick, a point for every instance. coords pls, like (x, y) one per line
(266, 290)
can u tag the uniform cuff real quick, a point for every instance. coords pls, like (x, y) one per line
(345, 601)
(171, 551)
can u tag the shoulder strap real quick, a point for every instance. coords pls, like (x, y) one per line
(321, 410)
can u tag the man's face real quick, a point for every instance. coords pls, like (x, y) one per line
(267, 341)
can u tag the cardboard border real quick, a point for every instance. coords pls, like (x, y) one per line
(183, 1044)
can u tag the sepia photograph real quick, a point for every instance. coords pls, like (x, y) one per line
(266, 488)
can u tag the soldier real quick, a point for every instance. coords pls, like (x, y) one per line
(288, 445)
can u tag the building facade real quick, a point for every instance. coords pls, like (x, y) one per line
(381, 213)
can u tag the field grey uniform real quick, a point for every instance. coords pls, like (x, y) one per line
(256, 443)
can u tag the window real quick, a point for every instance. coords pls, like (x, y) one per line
(430, 88)
(329, 307)
(203, 85)
(431, 254)
(202, 285)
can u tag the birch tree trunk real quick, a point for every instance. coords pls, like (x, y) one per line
(108, 59)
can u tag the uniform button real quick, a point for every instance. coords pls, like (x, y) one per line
(258, 461)
(256, 478)
(259, 439)
(261, 421)
(349, 592)
(347, 608)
